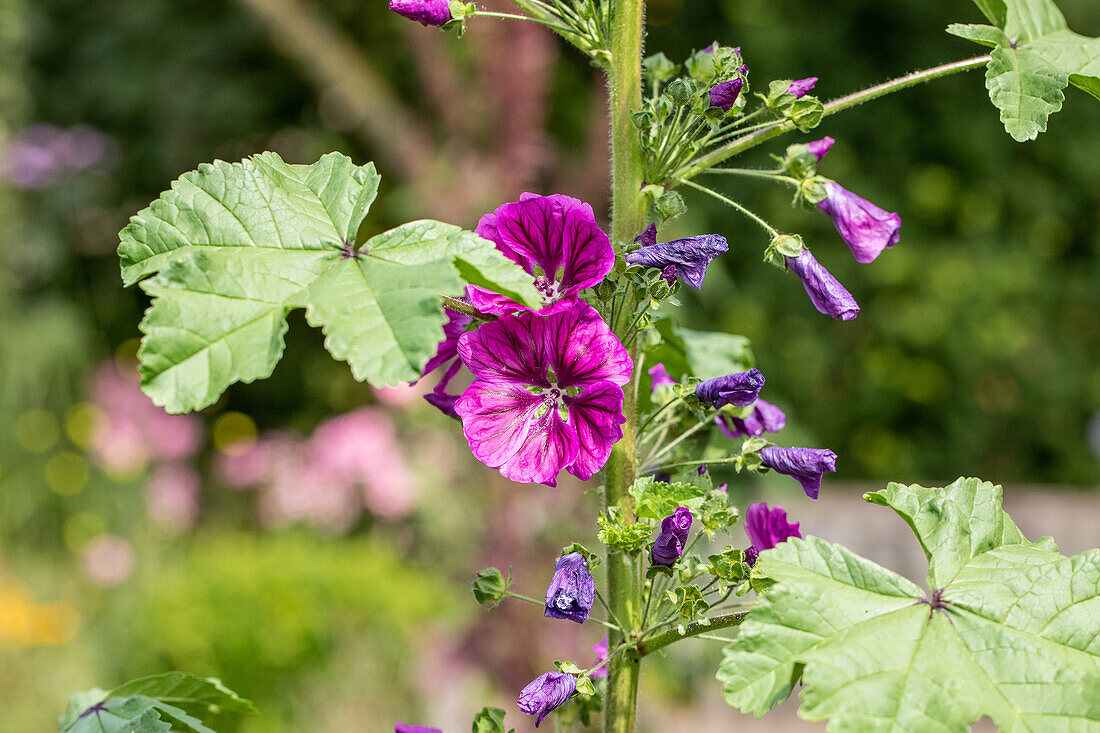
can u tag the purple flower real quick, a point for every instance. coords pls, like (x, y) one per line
(405, 728)
(738, 389)
(765, 418)
(447, 353)
(820, 147)
(546, 692)
(826, 293)
(659, 377)
(806, 465)
(601, 655)
(428, 12)
(767, 528)
(669, 546)
(556, 239)
(802, 87)
(572, 589)
(688, 257)
(865, 227)
(547, 394)
(725, 95)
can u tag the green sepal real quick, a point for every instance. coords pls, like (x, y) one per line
(490, 586)
(590, 557)
(585, 686)
(567, 667)
(489, 720)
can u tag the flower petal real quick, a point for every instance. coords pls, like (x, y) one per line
(596, 414)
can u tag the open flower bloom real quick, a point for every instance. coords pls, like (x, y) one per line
(659, 377)
(801, 87)
(572, 589)
(689, 257)
(556, 239)
(447, 353)
(547, 394)
(428, 12)
(820, 147)
(725, 95)
(865, 227)
(766, 529)
(669, 546)
(738, 389)
(546, 692)
(825, 291)
(601, 655)
(765, 418)
(806, 465)
(404, 728)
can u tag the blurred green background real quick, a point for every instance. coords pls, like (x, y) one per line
(319, 565)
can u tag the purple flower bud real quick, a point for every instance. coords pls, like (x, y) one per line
(765, 418)
(572, 589)
(688, 257)
(767, 528)
(826, 293)
(865, 227)
(428, 12)
(806, 465)
(678, 523)
(725, 95)
(662, 477)
(403, 728)
(545, 693)
(751, 556)
(820, 147)
(702, 470)
(659, 376)
(669, 546)
(601, 655)
(738, 389)
(802, 87)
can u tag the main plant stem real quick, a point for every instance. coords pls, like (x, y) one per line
(628, 213)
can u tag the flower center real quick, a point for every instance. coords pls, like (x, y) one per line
(548, 288)
(552, 399)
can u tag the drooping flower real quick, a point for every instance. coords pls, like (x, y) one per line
(865, 227)
(428, 12)
(738, 389)
(766, 529)
(546, 692)
(725, 94)
(447, 353)
(765, 418)
(601, 655)
(669, 546)
(805, 465)
(405, 728)
(689, 257)
(825, 291)
(556, 239)
(571, 591)
(547, 394)
(801, 87)
(820, 147)
(659, 377)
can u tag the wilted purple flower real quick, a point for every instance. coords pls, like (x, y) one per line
(801, 87)
(806, 465)
(556, 239)
(546, 692)
(765, 418)
(659, 376)
(826, 293)
(725, 95)
(601, 655)
(446, 353)
(820, 147)
(669, 546)
(572, 589)
(766, 529)
(865, 227)
(688, 257)
(738, 389)
(547, 394)
(405, 728)
(428, 12)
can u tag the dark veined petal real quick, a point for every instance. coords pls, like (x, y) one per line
(768, 527)
(689, 256)
(765, 418)
(866, 228)
(597, 416)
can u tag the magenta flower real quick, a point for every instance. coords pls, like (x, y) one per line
(865, 227)
(805, 465)
(447, 354)
(556, 239)
(547, 394)
(546, 692)
(825, 291)
(765, 418)
(405, 728)
(428, 12)
(738, 389)
(659, 377)
(669, 546)
(688, 257)
(766, 529)
(820, 147)
(572, 589)
(725, 95)
(601, 655)
(801, 87)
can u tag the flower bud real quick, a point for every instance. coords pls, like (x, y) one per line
(825, 291)
(725, 95)
(427, 12)
(670, 205)
(801, 87)
(658, 68)
(546, 692)
(669, 545)
(866, 228)
(680, 92)
(740, 389)
(490, 586)
(805, 465)
(571, 591)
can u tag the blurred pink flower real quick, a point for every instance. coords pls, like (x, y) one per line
(257, 463)
(172, 497)
(108, 560)
(402, 395)
(42, 155)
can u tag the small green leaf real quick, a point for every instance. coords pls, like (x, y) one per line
(150, 722)
(986, 35)
(194, 695)
(1025, 88)
(489, 720)
(590, 557)
(657, 500)
(567, 667)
